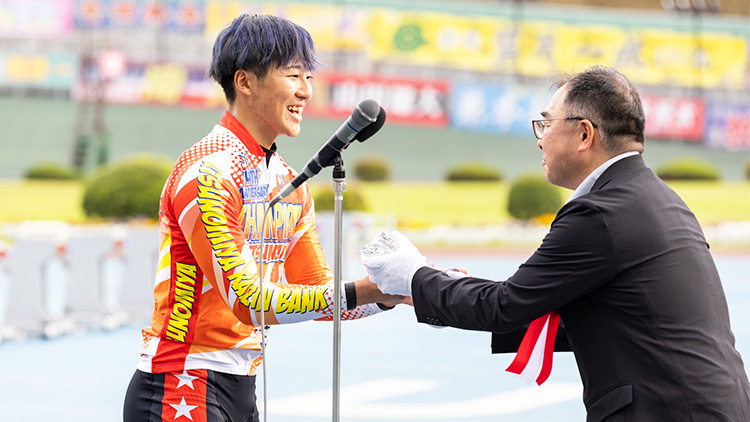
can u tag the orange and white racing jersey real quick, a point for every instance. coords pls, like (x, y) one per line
(207, 297)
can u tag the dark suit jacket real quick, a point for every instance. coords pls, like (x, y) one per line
(629, 271)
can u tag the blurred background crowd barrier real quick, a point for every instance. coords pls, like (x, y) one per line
(57, 278)
(479, 66)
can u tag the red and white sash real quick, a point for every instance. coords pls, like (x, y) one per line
(534, 356)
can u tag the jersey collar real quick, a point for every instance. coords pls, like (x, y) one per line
(230, 122)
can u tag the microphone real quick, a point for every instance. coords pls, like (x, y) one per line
(372, 128)
(367, 113)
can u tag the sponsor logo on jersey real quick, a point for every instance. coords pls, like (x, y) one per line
(288, 300)
(211, 206)
(244, 159)
(279, 224)
(248, 293)
(252, 190)
(297, 301)
(184, 298)
(280, 181)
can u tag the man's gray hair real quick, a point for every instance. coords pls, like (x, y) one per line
(608, 99)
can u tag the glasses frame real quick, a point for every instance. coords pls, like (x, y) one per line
(538, 128)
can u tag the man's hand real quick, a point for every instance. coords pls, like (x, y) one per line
(391, 262)
(367, 292)
(454, 272)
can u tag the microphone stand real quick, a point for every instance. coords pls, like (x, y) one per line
(338, 189)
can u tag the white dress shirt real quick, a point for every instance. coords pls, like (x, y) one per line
(588, 182)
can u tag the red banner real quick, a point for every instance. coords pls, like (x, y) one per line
(410, 101)
(674, 117)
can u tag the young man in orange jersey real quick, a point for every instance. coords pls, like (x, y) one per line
(200, 354)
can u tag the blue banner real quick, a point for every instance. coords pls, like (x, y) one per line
(175, 15)
(728, 125)
(496, 108)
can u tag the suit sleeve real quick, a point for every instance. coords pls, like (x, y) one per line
(510, 342)
(576, 257)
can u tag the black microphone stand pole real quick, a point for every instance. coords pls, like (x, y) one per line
(339, 187)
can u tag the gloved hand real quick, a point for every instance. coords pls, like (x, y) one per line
(391, 261)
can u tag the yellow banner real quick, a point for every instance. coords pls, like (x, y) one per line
(25, 69)
(437, 39)
(651, 57)
(493, 44)
(332, 27)
(704, 60)
(164, 84)
(579, 47)
(219, 14)
(537, 49)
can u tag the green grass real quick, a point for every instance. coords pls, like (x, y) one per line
(414, 204)
(713, 203)
(41, 200)
(417, 204)
(421, 204)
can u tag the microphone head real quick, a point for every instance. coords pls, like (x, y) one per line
(372, 128)
(365, 113)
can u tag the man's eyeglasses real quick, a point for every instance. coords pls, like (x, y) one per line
(539, 125)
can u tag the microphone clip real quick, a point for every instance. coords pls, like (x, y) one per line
(338, 167)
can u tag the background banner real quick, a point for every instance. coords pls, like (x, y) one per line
(674, 117)
(51, 70)
(409, 101)
(436, 39)
(728, 125)
(496, 108)
(676, 65)
(36, 18)
(174, 15)
(516, 43)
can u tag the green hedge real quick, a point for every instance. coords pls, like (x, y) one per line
(474, 171)
(532, 196)
(372, 169)
(52, 171)
(688, 169)
(128, 189)
(353, 200)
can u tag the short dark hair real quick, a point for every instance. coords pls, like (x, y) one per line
(607, 97)
(259, 43)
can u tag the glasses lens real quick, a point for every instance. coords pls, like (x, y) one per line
(538, 128)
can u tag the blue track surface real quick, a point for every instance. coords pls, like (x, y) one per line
(392, 368)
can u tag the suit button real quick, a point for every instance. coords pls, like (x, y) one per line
(433, 321)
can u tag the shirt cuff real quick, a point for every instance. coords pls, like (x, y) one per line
(351, 295)
(350, 290)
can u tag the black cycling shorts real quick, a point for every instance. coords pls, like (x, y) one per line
(200, 395)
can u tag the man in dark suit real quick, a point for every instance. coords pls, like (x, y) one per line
(625, 265)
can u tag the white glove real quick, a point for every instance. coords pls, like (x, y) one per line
(391, 261)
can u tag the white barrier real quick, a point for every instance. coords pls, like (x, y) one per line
(38, 280)
(57, 278)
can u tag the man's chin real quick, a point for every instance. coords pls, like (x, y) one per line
(294, 131)
(549, 177)
(291, 133)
